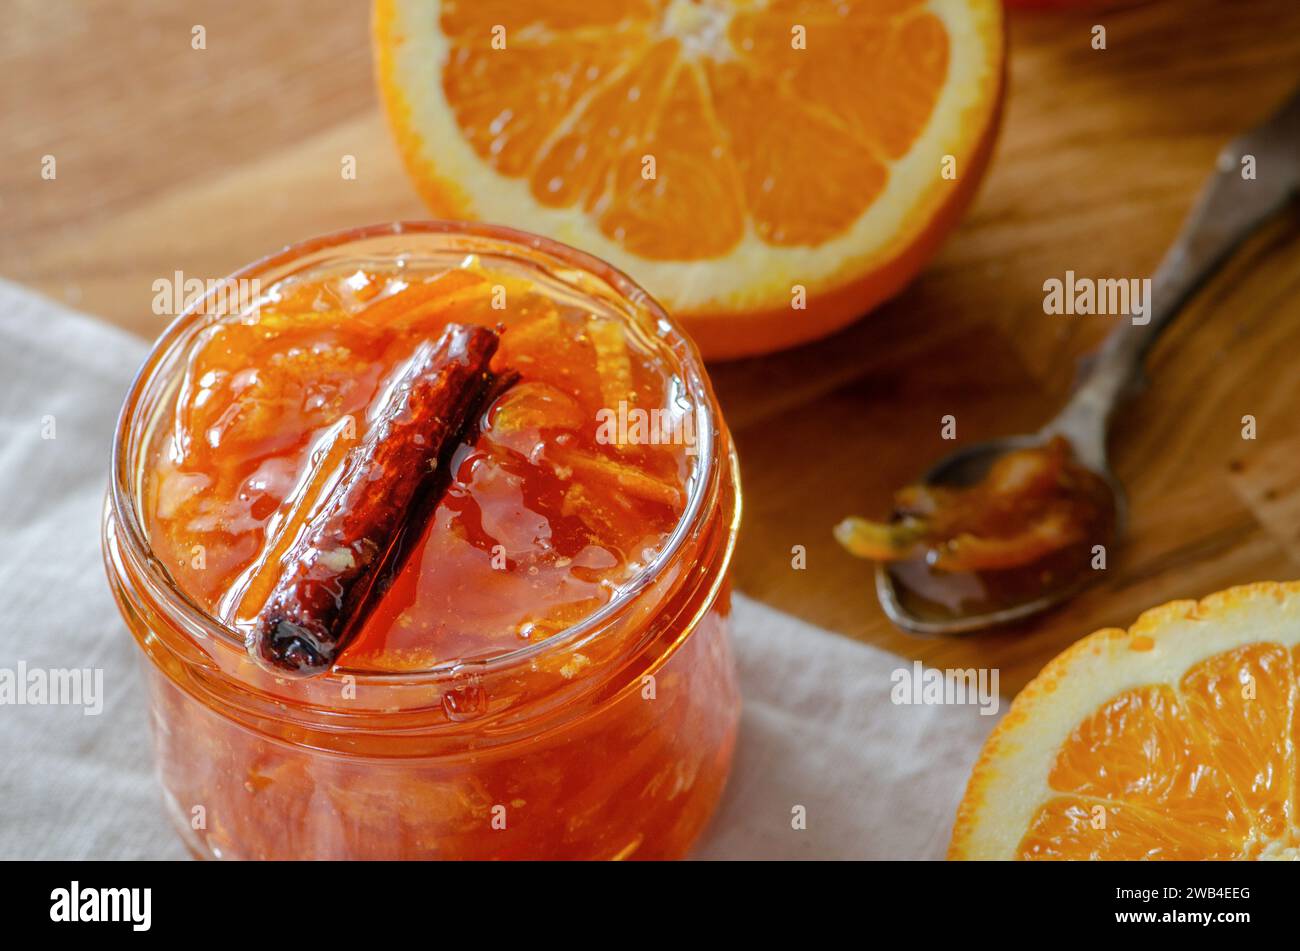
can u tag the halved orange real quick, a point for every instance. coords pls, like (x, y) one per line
(769, 170)
(1175, 739)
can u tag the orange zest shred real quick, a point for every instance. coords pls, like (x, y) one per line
(1032, 502)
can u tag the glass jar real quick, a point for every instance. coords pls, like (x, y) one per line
(623, 757)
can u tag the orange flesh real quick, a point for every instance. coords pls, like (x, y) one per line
(1204, 771)
(582, 92)
(541, 524)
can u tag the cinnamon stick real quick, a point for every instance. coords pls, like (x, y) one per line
(389, 482)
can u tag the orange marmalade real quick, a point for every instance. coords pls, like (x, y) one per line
(545, 671)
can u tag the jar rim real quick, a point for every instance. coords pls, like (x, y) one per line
(132, 540)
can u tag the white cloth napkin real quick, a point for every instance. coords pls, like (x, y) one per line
(874, 780)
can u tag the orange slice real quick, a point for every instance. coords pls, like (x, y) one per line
(769, 170)
(1174, 739)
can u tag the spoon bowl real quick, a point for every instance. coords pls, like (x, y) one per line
(965, 467)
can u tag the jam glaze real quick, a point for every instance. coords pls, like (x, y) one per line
(541, 524)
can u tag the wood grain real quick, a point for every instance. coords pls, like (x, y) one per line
(171, 158)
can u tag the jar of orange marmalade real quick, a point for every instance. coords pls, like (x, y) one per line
(540, 666)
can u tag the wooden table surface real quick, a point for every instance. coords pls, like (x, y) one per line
(174, 159)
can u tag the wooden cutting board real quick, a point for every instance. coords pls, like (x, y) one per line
(170, 158)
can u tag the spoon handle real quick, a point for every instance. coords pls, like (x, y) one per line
(1230, 208)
